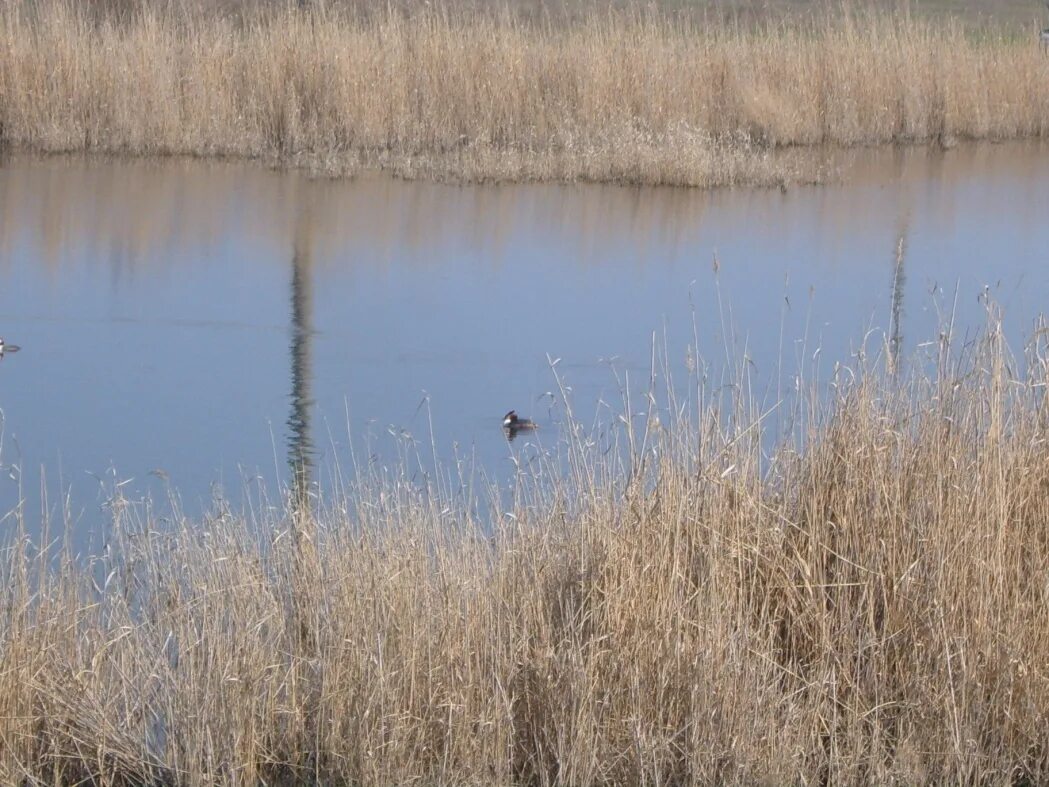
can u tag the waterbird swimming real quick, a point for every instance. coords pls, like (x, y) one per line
(512, 421)
(512, 424)
(7, 348)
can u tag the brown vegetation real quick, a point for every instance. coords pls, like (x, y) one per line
(866, 607)
(628, 96)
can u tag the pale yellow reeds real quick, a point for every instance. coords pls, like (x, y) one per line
(866, 608)
(643, 97)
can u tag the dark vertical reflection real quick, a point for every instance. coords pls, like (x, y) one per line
(300, 445)
(899, 281)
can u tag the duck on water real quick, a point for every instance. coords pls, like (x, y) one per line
(513, 424)
(7, 348)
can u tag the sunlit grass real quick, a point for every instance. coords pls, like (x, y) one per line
(628, 96)
(664, 600)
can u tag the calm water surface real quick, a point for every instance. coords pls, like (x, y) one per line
(194, 324)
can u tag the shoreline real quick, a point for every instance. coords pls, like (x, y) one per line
(829, 164)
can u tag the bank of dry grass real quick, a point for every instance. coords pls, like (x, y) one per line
(869, 607)
(640, 97)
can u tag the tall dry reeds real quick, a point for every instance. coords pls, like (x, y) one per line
(867, 605)
(644, 97)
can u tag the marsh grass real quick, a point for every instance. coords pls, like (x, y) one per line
(633, 96)
(666, 602)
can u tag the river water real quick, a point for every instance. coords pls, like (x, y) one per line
(199, 327)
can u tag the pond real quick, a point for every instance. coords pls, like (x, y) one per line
(193, 326)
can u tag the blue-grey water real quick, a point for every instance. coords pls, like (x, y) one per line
(184, 324)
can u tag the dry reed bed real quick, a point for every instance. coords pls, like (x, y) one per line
(623, 97)
(870, 609)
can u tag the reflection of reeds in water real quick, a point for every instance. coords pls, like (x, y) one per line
(141, 216)
(300, 444)
(639, 97)
(899, 282)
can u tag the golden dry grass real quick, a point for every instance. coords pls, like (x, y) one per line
(629, 96)
(866, 607)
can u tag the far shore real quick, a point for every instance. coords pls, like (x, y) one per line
(626, 96)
